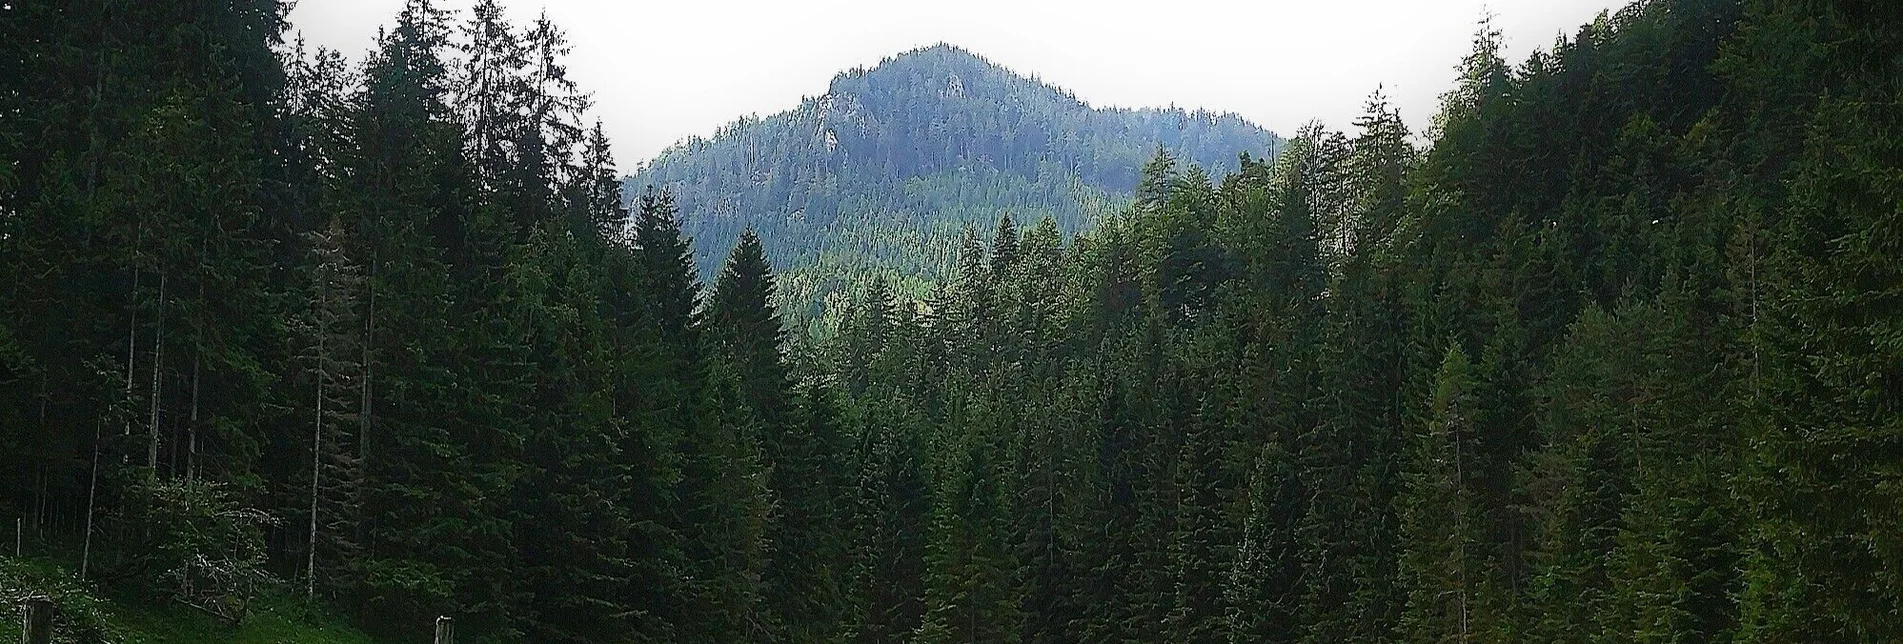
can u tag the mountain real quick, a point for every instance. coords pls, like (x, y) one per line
(883, 171)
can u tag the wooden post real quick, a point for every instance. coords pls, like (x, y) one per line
(445, 630)
(37, 626)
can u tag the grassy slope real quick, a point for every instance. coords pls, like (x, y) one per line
(275, 625)
(86, 617)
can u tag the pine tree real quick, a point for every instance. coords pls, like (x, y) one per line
(1263, 591)
(666, 268)
(969, 594)
(332, 353)
(398, 189)
(722, 493)
(889, 527)
(1824, 363)
(745, 331)
(1443, 567)
(799, 437)
(405, 308)
(1004, 249)
(598, 204)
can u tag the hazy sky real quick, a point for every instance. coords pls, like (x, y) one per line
(662, 70)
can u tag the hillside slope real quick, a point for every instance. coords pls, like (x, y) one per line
(885, 169)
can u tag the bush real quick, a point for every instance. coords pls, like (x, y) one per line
(202, 547)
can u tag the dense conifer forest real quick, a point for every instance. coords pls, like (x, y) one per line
(880, 176)
(1610, 351)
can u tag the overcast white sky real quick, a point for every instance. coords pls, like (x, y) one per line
(663, 70)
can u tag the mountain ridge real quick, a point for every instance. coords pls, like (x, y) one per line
(889, 165)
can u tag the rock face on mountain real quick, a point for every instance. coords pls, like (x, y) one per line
(883, 171)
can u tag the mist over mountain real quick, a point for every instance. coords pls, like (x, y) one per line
(883, 171)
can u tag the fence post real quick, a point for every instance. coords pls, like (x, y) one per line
(445, 630)
(37, 626)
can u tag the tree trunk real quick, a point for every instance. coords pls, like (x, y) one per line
(191, 440)
(43, 496)
(92, 495)
(158, 339)
(132, 346)
(317, 450)
(198, 357)
(369, 336)
(37, 625)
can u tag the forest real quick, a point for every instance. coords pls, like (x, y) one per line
(1609, 351)
(878, 176)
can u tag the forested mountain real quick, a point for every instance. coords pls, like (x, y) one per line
(1614, 353)
(882, 173)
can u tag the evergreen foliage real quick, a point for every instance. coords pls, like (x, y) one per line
(1612, 355)
(879, 175)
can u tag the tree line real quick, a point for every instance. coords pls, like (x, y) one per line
(1611, 357)
(383, 334)
(1610, 354)
(878, 175)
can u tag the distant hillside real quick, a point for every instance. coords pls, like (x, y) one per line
(883, 171)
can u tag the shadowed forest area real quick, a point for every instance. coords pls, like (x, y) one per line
(1610, 351)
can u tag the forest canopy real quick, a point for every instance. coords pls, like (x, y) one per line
(1612, 350)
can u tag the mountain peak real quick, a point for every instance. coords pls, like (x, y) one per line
(931, 64)
(941, 52)
(894, 160)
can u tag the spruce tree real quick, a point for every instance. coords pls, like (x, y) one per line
(1443, 567)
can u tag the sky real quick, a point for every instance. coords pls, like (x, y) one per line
(664, 70)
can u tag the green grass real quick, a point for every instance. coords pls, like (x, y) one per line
(284, 622)
(86, 617)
